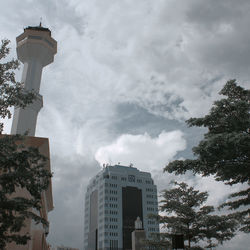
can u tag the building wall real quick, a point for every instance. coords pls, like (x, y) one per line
(113, 185)
(38, 232)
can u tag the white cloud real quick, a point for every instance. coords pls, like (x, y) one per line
(145, 152)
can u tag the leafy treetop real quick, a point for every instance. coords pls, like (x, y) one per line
(11, 91)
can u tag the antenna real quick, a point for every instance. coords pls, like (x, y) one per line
(40, 25)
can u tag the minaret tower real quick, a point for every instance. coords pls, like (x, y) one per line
(35, 49)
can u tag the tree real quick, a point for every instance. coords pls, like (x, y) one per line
(11, 91)
(224, 151)
(21, 167)
(185, 214)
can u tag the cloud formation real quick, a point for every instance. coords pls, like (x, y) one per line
(142, 151)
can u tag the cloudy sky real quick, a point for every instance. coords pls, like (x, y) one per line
(126, 77)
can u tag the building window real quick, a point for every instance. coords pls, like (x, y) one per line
(131, 178)
(150, 222)
(150, 202)
(113, 219)
(113, 243)
(124, 179)
(113, 234)
(113, 226)
(150, 209)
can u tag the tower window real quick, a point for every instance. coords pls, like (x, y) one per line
(35, 37)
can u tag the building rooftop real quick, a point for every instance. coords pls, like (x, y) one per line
(125, 169)
(38, 28)
(119, 170)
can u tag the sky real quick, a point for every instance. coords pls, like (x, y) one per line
(126, 76)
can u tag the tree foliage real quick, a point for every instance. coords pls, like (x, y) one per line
(21, 167)
(224, 151)
(11, 91)
(183, 213)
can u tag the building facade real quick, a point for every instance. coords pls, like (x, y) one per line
(37, 232)
(115, 197)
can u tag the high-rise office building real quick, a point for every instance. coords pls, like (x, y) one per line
(115, 197)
